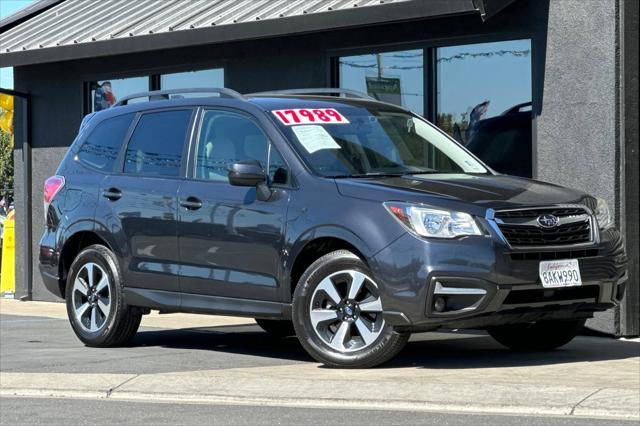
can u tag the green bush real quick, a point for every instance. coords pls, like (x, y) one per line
(6, 166)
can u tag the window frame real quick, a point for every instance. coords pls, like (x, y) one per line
(185, 147)
(191, 166)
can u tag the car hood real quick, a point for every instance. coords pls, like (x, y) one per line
(475, 192)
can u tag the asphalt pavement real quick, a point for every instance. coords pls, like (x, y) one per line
(52, 411)
(237, 374)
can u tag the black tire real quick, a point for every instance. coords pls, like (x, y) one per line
(122, 322)
(278, 328)
(540, 336)
(385, 346)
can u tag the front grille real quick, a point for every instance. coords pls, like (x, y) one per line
(520, 228)
(573, 233)
(518, 297)
(554, 255)
(534, 213)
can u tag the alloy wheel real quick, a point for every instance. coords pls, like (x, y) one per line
(346, 311)
(91, 297)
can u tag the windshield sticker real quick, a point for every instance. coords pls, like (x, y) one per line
(314, 138)
(290, 117)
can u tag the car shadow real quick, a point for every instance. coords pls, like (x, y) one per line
(240, 339)
(479, 350)
(435, 350)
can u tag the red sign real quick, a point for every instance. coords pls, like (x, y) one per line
(290, 117)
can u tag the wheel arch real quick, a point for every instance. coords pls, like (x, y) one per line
(318, 242)
(73, 245)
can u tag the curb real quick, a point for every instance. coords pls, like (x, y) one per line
(333, 403)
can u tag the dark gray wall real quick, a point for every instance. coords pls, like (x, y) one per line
(630, 324)
(577, 126)
(574, 85)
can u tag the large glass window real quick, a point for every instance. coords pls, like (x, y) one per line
(157, 143)
(193, 79)
(105, 93)
(102, 146)
(225, 138)
(484, 101)
(394, 77)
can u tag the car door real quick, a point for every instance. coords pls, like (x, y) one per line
(139, 206)
(230, 242)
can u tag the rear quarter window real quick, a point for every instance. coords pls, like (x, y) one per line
(100, 149)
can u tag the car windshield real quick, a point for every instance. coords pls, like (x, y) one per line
(353, 141)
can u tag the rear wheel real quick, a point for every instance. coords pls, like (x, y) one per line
(94, 300)
(338, 314)
(538, 336)
(279, 328)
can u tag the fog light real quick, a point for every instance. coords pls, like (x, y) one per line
(440, 304)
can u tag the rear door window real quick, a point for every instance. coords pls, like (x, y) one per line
(103, 144)
(157, 143)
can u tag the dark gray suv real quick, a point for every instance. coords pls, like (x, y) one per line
(343, 220)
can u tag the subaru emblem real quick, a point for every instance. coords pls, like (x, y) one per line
(548, 221)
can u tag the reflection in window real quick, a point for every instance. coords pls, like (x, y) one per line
(484, 101)
(225, 138)
(157, 143)
(102, 146)
(105, 93)
(193, 79)
(394, 77)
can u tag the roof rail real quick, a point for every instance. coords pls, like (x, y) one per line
(164, 94)
(316, 91)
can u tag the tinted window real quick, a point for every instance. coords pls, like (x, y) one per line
(102, 146)
(504, 143)
(481, 90)
(394, 77)
(225, 138)
(156, 144)
(186, 80)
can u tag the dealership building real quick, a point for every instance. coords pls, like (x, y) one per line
(558, 80)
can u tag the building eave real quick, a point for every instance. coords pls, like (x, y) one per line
(383, 13)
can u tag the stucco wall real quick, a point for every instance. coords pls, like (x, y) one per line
(576, 126)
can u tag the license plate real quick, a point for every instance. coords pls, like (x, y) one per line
(560, 273)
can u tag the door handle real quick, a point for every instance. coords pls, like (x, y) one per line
(191, 203)
(112, 194)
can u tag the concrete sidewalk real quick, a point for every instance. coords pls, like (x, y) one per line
(593, 377)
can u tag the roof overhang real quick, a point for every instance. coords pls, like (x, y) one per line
(313, 22)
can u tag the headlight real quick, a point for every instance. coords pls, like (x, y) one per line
(603, 215)
(427, 222)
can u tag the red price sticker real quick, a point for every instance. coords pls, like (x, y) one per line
(290, 117)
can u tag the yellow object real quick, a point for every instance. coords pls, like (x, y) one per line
(6, 122)
(8, 271)
(6, 102)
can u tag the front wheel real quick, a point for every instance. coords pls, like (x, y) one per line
(338, 314)
(540, 336)
(95, 303)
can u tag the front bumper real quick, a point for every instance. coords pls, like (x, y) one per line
(485, 283)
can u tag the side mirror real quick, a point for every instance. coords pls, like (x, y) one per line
(246, 173)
